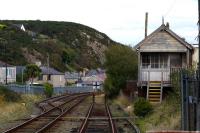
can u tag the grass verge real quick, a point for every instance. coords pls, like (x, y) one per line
(11, 111)
(165, 116)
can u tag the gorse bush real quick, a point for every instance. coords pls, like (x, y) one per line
(142, 107)
(9, 95)
(48, 89)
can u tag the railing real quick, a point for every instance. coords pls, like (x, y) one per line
(160, 74)
(27, 89)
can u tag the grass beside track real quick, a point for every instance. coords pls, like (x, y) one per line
(12, 111)
(165, 116)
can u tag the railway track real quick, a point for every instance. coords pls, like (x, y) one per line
(99, 120)
(45, 120)
(106, 125)
(66, 114)
(49, 103)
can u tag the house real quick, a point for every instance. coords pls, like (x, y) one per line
(56, 78)
(160, 54)
(19, 26)
(94, 78)
(72, 77)
(11, 73)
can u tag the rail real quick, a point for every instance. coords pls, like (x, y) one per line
(85, 122)
(14, 129)
(111, 122)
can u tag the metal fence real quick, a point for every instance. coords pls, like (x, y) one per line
(190, 100)
(27, 89)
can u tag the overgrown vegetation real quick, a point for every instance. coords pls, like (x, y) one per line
(142, 107)
(121, 65)
(66, 43)
(8, 95)
(11, 111)
(164, 116)
(48, 89)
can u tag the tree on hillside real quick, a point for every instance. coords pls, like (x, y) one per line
(121, 65)
(32, 71)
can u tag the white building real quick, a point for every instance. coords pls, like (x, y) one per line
(11, 73)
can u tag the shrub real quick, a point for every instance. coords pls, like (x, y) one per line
(142, 107)
(9, 95)
(48, 89)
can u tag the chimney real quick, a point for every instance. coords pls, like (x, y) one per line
(167, 25)
(146, 24)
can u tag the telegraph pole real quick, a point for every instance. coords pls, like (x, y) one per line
(198, 91)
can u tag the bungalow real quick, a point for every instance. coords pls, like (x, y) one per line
(160, 54)
(56, 78)
(11, 73)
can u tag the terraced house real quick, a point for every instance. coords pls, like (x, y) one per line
(160, 54)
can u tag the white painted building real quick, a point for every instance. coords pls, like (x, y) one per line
(11, 73)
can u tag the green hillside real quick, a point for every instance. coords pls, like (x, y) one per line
(69, 45)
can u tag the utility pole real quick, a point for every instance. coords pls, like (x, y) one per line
(48, 77)
(146, 24)
(198, 90)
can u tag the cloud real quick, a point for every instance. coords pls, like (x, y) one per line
(122, 20)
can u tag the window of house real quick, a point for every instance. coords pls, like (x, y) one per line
(155, 60)
(49, 77)
(145, 61)
(163, 61)
(175, 60)
(40, 77)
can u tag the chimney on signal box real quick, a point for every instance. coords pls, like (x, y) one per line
(146, 24)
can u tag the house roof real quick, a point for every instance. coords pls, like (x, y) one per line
(3, 64)
(92, 72)
(72, 75)
(163, 39)
(45, 71)
(95, 72)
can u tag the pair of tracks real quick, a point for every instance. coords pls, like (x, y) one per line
(98, 118)
(51, 114)
(98, 125)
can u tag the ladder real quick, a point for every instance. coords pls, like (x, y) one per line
(154, 91)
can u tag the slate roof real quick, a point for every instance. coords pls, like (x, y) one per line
(3, 64)
(72, 75)
(52, 71)
(91, 73)
(160, 39)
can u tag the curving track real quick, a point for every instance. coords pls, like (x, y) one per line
(65, 114)
(45, 120)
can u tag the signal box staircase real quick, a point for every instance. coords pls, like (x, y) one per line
(154, 91)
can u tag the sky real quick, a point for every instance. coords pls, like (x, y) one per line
(122, 20)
